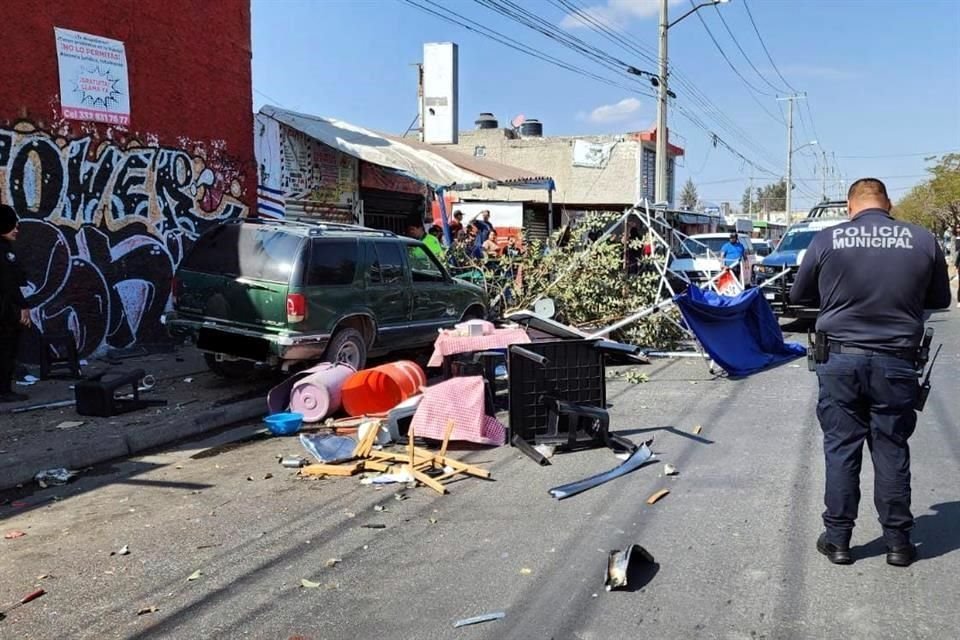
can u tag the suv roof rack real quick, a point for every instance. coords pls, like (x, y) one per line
(316, 227)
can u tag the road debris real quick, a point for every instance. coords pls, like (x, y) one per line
(657, 496)
(332, 562)
(526, 572)
(194, 576)
(634, 462)
(54, 477)
(267, 476)
(124, 551)
(309, 584)
(697, 429)
(434, 521)
(670, 470)
(145, 610)
(622, 564)
(373, 526)
(379, 507)
(13, 535)
(33, 595)
(487, 617)
(546, 450)
(70, 424)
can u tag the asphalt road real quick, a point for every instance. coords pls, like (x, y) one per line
(733, 541)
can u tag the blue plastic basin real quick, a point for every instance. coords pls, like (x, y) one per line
(284, 424)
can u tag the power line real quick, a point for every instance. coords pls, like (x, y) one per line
(742, 52)
(902, 155)
(487, 32)
(634, 47)
(765, 50)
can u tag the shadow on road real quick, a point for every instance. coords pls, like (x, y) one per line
(935, 534)
(669, 429)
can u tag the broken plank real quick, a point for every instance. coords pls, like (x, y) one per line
(659, 494)
(331, 469)
(420, 476)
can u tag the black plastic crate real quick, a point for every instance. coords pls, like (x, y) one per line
(574, 372)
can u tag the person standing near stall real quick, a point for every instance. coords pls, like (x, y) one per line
(14, 313)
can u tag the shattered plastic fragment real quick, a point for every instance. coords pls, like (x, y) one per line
(309, 584)
(332, 562)
(124, 550)
(619, 565)
(487, 617)
(697, 429)
(194, 576)
(12, 535)
(669, 470)
(144, 610)
(635, 461)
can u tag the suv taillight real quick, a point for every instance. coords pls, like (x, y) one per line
(296, 308)
(175, 289)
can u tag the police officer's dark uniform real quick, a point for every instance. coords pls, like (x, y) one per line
(873, 277)
(11, 304)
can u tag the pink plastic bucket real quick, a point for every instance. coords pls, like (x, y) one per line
(318, 395)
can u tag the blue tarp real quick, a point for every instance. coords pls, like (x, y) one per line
(740, 333)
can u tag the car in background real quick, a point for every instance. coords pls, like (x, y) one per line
(829, 209)
(698, 256)
(284, 294)
(762, 247)
(787, 257)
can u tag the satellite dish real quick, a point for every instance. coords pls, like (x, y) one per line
(517, 121)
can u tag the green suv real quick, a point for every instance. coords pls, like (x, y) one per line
(279, 294)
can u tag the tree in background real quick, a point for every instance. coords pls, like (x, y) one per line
(935, 203)
(688, 197)
(772, 197)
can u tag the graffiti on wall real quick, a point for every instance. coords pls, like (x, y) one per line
(105, 226)
(314, 173)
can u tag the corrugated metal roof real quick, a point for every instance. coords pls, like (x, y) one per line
(426, 163)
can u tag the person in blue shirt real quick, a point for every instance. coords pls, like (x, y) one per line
(732, 253)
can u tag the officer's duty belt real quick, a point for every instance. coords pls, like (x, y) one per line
(910, 355)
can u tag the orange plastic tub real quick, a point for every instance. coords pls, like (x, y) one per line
(380, 389)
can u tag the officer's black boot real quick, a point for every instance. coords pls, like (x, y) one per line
(902, 556)
(835, 553)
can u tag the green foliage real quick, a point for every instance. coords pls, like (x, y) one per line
(772, 197)
(587, 281)
(935, 203)
(689, 197)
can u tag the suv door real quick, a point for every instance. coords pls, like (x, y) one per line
(329, 283)
(388, 293)
(433, 304)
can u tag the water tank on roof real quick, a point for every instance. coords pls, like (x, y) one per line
(531, 129)
(486, 121)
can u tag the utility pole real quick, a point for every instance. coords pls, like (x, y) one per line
(750, 193)
(660, 182)
(789, 100)
(660, 185)
(823, 176)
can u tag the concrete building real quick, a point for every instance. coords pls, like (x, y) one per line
(592, 173)
(125, 131)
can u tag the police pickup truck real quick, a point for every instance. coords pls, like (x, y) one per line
(787, 257)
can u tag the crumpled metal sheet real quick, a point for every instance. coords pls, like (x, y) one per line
(634, 462)
(328, 449)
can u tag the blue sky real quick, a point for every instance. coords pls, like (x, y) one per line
(882, 78)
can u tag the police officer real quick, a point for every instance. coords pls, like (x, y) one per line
(14, 314)
(872, 276)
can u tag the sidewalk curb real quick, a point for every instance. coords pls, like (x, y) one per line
(123, 442)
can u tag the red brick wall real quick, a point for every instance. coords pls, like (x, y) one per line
(109, 211)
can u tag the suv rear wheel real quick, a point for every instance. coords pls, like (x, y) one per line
(348, 345)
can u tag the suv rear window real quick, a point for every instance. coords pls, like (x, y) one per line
(242, 250)
(332, 262)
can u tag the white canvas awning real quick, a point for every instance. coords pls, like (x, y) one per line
(419, 164)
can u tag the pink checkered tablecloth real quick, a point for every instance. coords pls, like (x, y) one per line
(460, 400)
(448, 344)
